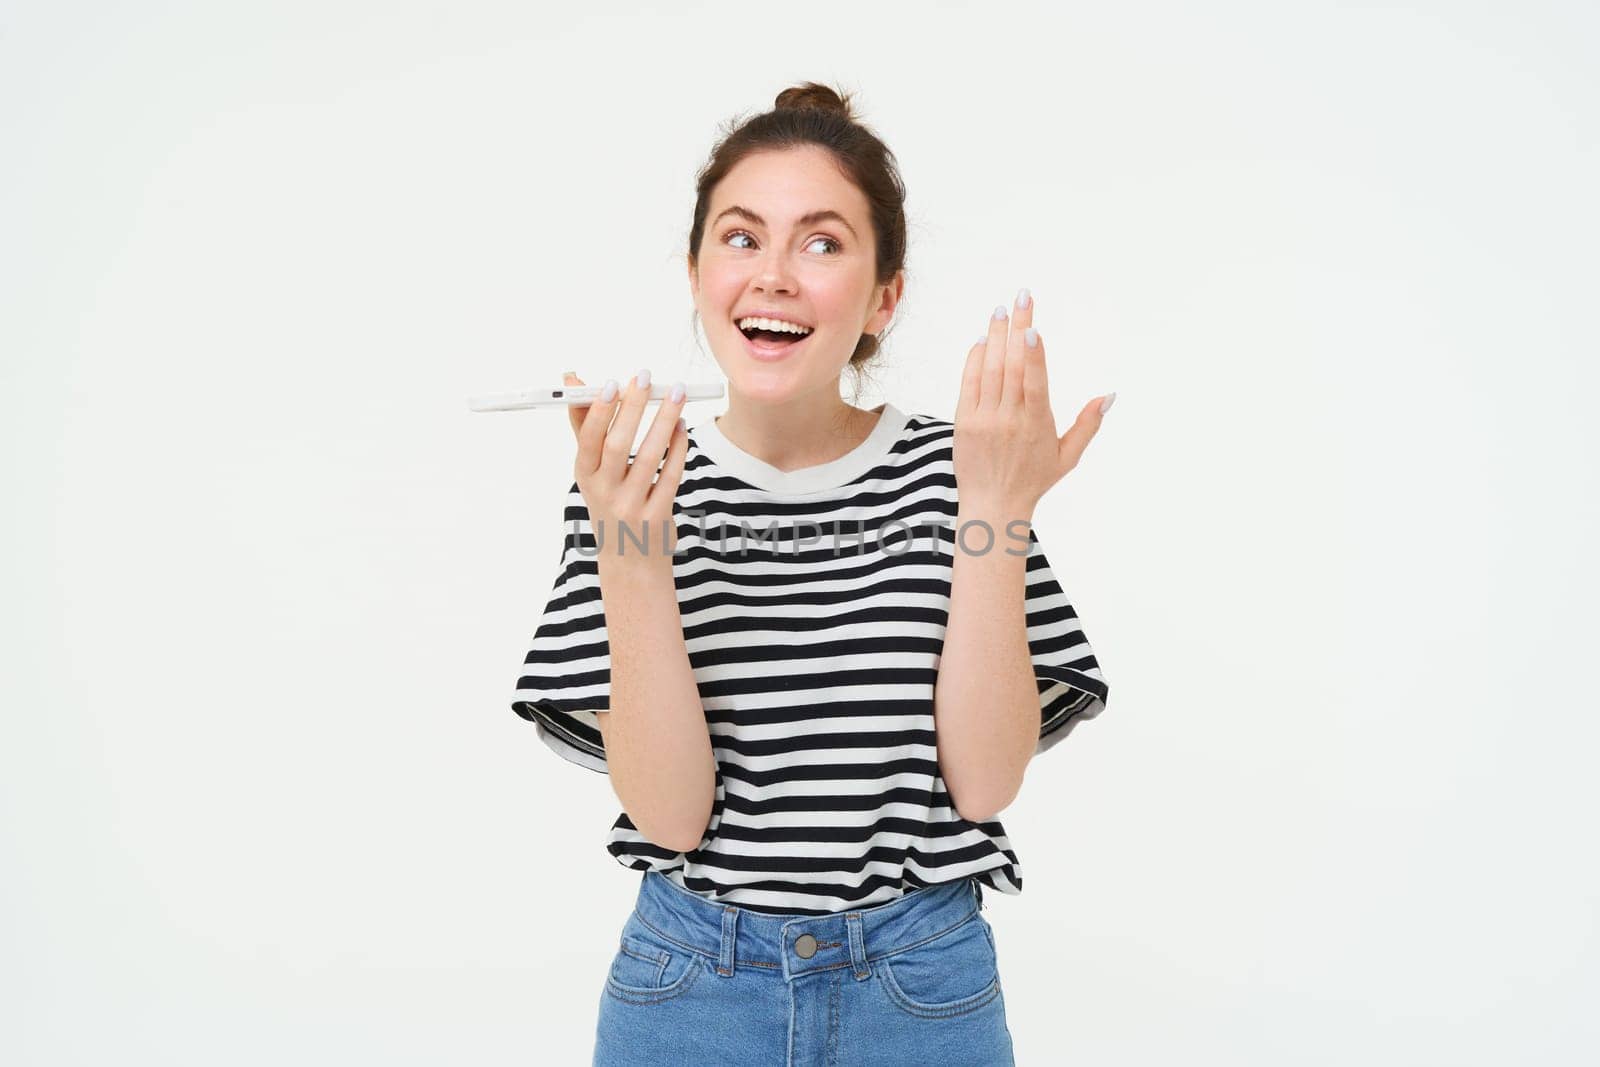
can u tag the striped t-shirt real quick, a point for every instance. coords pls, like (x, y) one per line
(815, 651)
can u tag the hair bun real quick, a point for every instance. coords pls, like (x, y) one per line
(815, 96)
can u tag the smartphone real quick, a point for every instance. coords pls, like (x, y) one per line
(578, 395)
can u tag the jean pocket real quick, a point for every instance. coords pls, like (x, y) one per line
(954, 973)
(647, 969)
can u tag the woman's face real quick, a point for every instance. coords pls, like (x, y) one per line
(761, 255)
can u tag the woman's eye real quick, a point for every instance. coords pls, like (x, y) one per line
(834, 245)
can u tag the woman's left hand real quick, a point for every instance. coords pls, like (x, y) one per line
(1007, 454)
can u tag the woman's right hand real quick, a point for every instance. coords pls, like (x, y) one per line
(618, 491)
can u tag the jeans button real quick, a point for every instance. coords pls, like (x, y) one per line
(805, 946)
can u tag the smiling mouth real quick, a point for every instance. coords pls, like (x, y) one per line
(773, 340)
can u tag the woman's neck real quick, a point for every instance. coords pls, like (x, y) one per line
(796, 434)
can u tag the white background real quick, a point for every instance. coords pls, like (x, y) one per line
(268, 583)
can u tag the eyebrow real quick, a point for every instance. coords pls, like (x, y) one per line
(804, 220)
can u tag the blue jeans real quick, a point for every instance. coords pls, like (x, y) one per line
(913, 981)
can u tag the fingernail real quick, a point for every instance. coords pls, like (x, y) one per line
(608, 393)
(677, 392)
(1031, 336)
(999, 311)
(680, 422)
(570, 373)
(1105, 405)
(984, 339)
(1024, 298)
(643, 378)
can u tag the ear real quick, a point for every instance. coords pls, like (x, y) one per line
(887, 297)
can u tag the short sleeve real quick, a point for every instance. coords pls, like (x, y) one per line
(566, 673)
(1071, 687)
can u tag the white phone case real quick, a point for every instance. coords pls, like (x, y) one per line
(575, 395)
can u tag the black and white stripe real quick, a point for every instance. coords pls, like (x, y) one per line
(816, 668)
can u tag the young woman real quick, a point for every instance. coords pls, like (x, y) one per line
(813, 645)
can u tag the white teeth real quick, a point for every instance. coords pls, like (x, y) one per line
(754, 323)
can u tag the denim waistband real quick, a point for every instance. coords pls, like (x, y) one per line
(737, 937)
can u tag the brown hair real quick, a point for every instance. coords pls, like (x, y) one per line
(813, 114)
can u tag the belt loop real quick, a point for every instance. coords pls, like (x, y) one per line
(977, 887)
(730, 922)
(858, 947)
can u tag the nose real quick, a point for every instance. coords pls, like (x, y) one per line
(773, 274)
